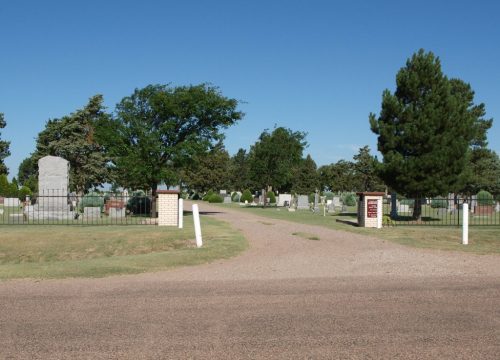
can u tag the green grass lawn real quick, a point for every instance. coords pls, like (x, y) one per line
(56, 251)
(482, 239)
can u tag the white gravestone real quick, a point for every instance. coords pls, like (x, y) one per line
(284, 197)
(303, 202)
(52, 201)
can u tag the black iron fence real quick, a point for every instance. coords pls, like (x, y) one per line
(442, 211)
(52, 208)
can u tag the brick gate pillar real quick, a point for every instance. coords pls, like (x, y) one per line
(168, 207)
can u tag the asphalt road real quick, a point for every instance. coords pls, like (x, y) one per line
(263, 306)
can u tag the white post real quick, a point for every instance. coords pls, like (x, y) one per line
(181, 213)
(197, 226)
(465, 224)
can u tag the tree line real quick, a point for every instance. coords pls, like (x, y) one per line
(431, 134)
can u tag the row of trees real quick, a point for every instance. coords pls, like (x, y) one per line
(276, 162)
(430, 132)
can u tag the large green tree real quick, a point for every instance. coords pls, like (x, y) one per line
(339, 176)
(209, 170)
(425, 130)
(306, 178)
(73, 138)
(159, 129)
(239, 171)
(484, 172)
(4, 148)
(274, 156)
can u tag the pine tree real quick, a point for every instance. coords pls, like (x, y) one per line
(72, 138)
(306, 177)
(425, 130)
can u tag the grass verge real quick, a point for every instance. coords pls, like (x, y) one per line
(482, 239)
(96, 251)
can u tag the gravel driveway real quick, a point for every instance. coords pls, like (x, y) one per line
(343, 296)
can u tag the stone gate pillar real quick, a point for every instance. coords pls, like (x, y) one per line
(370, 210)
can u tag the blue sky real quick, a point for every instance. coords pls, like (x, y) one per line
(313, 66)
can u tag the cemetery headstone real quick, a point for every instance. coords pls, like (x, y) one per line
(53, 180)
(497, 207)
(92, 212)
(227, 199)
(116, 213)
(316, 202)
(282, 198)
(303, 202)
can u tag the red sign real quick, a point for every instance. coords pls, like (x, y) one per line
(371, 208)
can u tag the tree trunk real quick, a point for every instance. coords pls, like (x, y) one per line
(417, 209)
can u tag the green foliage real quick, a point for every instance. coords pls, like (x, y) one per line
(4, 186)
(305, 176)
(485, 198)
(439, 203)
(348, 199)
(72, 138)
(272, 197)
(484, 172)
(235, 197)
(139, 203)
(92, 199)
(409, 202)
(365, 171)
(32, 183)
(426, 128)
(208, 170)
(23, 192)
(274, 157)
(338, 177)
(159, 130)
(27, 168)
(246, 196)
(215, 198)
(4, 148)
(207, 195)
(328, 195)
(239, 171)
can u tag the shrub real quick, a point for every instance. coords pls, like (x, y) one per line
(328, 195)
(23, 192)
(207, 195)
(439, 203)
(484, 198)
(409, 202)
(246, 196)
(235, 197)
(139, 203)
(349, 199)
(92, 199)
(272, 197)
(215, 198)
(195, 196)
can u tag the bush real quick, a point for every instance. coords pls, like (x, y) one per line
(92, 199)
(484, 198)
(409, 202)
(246, 196)
(349, 199)
(272, 197)
(207, 195)
(439, 203)
(139, 203)
(215, 198)
(235, 197)
(23, 192)
(328, 195)
(195, 196)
